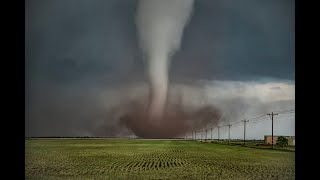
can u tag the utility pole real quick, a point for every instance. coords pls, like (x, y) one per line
(206, 134)
(198, 137)
(211, 133)
(229, 133)
(272, 114)
(202, 135)
(218, 133)
(244, 131)
(191, 134)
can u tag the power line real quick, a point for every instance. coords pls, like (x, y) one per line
(236, 122)
(253, 120)
(279, 118)
(285, 110)
(288, 112)
(256, 121)
(259, 120)
(283, 117)
(237, 125)
(257, 117)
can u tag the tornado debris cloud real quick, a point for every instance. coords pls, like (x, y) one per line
(176, 120)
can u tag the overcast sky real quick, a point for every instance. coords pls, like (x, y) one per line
(81, 54)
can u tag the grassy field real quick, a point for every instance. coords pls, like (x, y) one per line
(253, 144)
(152, 159)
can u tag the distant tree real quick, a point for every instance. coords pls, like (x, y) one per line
(282, 141)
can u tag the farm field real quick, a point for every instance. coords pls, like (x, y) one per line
(152, 159)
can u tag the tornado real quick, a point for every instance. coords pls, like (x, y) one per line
(160, 25)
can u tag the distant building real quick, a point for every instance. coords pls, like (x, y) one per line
(268, 139)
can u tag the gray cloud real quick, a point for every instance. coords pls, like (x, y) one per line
(276, 88)
(224, 40)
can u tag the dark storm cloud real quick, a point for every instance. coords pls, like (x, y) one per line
(75, 50)
(72, 40)
(75, 40)
(239, 40)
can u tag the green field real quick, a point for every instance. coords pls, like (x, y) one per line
(152, 159)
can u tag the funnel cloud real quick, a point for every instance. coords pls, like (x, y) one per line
(160, 27)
